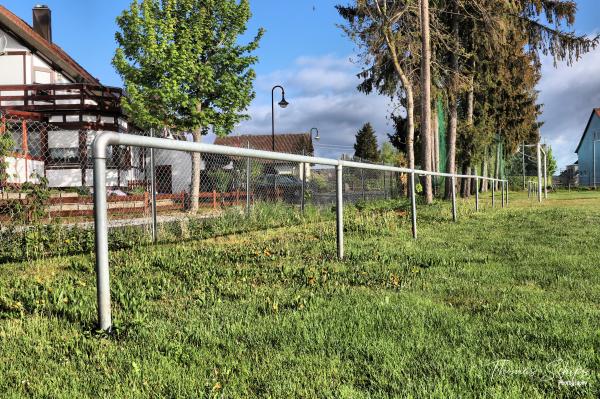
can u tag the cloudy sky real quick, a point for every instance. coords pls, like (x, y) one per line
(306, 52)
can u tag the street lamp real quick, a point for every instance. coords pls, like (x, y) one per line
(317, 135)
(282, 104)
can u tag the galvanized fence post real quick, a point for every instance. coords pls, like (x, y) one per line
(413, 205)
(502, 199)
(153, 190)
(476, 194)
(453, 183)
(339, 212)
(362, 182)
(507, 193)
(101, 240)
(493, 193)
(303, 184)
(545, 176)
(248, 175)
(385, 196)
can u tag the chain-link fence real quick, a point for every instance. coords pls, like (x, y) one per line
(46, 177)
(169, 193)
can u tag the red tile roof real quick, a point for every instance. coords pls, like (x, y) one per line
(291, 143)
(61, 60)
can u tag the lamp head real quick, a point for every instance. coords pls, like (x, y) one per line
(317, 137)
(283, 103)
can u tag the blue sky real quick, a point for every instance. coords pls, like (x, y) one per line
(304, 51)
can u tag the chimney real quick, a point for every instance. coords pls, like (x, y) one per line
(42, 21)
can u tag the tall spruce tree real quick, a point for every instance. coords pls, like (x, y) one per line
(184, 67)
(366, 144)
(388, 35)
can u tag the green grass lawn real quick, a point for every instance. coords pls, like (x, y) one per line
(503, 303)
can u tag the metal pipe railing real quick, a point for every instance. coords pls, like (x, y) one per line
(104, 140)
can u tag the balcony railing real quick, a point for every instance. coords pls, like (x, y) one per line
(57, 98)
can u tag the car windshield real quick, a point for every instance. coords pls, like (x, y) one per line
(285, 179)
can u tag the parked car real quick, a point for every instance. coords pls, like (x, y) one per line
(279, 187)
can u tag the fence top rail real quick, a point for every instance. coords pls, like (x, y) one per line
(104, 140)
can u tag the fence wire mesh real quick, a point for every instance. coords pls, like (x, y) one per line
(46, 176)
(46, 184)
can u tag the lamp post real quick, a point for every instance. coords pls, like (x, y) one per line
(282, 104)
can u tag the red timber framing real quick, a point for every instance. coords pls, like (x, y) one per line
(22, 118)
(67, 105)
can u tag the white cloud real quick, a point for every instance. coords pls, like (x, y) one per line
(569, 93)
(322, 93)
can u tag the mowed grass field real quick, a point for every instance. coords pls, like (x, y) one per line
(503, 303)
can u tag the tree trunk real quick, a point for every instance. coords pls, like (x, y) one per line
(426, 98)
(497, 174)
(435, 148)
(465, 188)
(470, 101)
(410, 103)
(484, 172)
(410, 134)
(196, 165)
(470, 108)
(436, 139)
(453, 123)
(453, 117)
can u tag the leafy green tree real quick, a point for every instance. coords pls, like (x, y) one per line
(366, 144)
(388, 154)
(7, 145)
(551, 162)
(184, 68)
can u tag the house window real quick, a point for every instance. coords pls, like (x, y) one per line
(17, 136)
(64, 155)
(63, 147)
(34, 142)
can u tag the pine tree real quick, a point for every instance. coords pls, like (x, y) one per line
(366, 144)
(398, 138)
